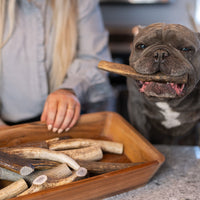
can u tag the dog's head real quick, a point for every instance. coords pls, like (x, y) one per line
(170, 49)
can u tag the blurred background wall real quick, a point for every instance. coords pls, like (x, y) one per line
(127, 14)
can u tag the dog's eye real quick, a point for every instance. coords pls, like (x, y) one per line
(186, 49)
(141, 46)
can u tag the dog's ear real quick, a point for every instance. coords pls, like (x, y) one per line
(136, 29)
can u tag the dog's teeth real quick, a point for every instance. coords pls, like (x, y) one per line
(182, 86)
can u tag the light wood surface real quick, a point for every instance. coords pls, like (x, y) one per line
(102, 125)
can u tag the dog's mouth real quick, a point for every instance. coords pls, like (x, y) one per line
(161, 89)
(153, 85)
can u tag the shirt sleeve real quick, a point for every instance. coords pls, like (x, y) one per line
(88, 82)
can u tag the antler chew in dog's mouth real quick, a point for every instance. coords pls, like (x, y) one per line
(157, 85)
(126, 70)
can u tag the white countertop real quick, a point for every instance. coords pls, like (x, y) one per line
(177, 179)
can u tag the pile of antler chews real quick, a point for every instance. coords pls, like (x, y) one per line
(58, 162)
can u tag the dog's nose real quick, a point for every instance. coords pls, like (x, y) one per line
(160, 55)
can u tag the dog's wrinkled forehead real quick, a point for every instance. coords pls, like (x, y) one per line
(174, 33)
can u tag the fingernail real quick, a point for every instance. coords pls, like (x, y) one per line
(60, 130)
(49, 127)
(55, 129)
(67, 129)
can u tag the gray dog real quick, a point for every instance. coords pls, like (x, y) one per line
(166, 112)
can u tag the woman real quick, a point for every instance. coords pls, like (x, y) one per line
(49, 56)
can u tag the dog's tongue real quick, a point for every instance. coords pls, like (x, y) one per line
(169, 90)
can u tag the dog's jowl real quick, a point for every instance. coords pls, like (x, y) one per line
(165, 112)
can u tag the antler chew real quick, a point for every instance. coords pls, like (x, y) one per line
(43, 164)
(15, 164)
(107, 146)
(104, 167)
(60, 171)
(127, 70)
(8, 175)
(40, 153)
(90, 153)
(43, 182)
(13, 189)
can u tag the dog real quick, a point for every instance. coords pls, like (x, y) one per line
(165, 112)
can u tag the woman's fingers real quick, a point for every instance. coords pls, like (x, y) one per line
(60, 116)
(51, 114)
(44, 113)
(68, 118)
(61, 111)
(72, 116)
(75, 117)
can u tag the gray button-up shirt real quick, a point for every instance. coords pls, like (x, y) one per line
(27, 57)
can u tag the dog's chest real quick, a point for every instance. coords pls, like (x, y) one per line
(170, 116)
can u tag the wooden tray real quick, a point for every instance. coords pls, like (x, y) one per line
(102, 125)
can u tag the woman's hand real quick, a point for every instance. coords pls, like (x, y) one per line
(61, 110)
